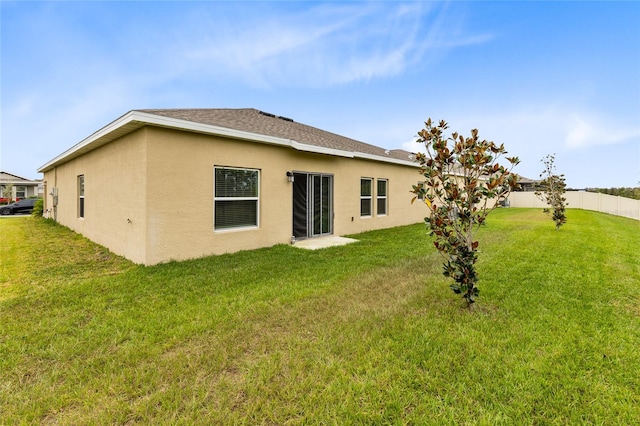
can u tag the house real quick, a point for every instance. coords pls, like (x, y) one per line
(14, 188)
(526, 184)
(173, 184)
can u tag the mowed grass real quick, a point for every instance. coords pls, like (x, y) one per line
(367, 333)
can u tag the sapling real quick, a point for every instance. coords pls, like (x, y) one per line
(551, 190)
(462, 183)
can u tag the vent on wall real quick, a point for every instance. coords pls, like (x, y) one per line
(268, 114)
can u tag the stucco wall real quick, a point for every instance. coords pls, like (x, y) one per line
(115, 195)
(149, 195)
(180, 193)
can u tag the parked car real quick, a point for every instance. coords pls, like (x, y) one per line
(22, 206)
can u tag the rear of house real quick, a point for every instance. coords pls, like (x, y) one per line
(160, 185)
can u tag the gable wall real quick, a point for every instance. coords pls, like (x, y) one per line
(115, 195)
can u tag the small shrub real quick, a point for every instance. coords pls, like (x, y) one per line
(38, 208)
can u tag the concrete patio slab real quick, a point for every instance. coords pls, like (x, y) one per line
(323, 242)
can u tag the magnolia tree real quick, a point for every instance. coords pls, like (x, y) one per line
(463, 182)
(551, 190)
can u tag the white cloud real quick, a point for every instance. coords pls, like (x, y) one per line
(412, 145)
(570, 131)
(326, 45)
(591, 130)
(553, 125)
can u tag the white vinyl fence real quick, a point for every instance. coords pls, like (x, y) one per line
(619, 206)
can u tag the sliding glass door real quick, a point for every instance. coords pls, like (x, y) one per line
(312, 205)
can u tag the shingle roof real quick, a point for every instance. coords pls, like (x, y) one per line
(11, 178)
(255, 121)
(246, 123)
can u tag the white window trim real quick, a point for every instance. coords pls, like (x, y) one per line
(366, 197)
(21, 189)
(81, 200)
(257, 199)
(386, 198)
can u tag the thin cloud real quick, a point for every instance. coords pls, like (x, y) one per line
(69, 68)
(586, 132)
(552, 125)
(327, 46)
(533, 131)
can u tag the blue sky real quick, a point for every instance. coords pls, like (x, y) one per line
(539, 77)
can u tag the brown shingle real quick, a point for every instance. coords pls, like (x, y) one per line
(254, 121)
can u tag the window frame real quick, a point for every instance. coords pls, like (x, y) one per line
(81, 196)
(384, 198)
(21, 192)
(364, 197)
(231, 199)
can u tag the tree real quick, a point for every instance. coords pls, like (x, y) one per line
(626, 192)
(551, 190)
(7, 192)
(463, 183)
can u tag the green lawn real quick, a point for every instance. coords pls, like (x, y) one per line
(367, 333)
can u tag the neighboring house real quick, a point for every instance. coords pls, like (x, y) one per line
(160, 185)
(14, 188)
(526, 184)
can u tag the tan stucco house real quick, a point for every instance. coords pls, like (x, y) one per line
(173, 184)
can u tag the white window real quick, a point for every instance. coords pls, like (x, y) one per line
(236, 198)
(81, 196)
(366, 187)
(381, 197)
(21, 192)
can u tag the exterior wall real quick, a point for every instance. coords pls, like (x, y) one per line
(32, 191)
(180, 193)
(149, 195)
(605, 203)
(115, 195)
(400, 211)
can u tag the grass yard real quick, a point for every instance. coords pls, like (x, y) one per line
(367, 333)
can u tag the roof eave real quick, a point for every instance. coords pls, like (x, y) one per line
(134, 120)
(386, 159)
(96, 139)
